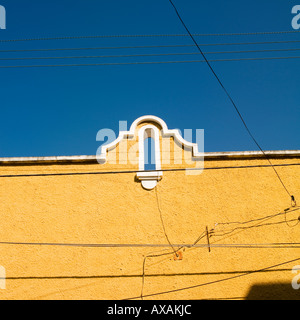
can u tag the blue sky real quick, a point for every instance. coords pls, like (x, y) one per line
(58, 111)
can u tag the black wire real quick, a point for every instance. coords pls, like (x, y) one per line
(239, 246)
(284, 245)
(229, 96)
(162, 221)
(213, 245)
(180, 246)
(216, 281)
(157, 255)
(153, 46)
(288, 211)
(166, 253)
(144, 266)
(258, 219)
(143, 62)
(150, 36)
(260, 224)
(135, 171)
(148, 54)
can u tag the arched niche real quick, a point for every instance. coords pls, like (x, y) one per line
(149, 179)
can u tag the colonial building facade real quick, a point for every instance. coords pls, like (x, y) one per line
(195, 226)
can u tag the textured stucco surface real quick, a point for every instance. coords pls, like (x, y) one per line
(115, 209)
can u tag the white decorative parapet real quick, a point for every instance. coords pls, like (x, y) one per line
(165, 133)
(149, 179)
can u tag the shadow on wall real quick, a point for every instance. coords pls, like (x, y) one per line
(278, 291)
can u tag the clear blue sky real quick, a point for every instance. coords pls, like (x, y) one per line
(58, 111)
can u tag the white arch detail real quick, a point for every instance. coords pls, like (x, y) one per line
(149, 131)
(165, 133)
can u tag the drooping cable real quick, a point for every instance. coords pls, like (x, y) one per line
(230, 98)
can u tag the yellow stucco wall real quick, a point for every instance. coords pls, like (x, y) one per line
(115, 209)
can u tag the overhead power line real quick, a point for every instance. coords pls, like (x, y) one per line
(151, 36)
(154, 46)
(231, 100)
(143, 62)
(136, 171)
(150, 54)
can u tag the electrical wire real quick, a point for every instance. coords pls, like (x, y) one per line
(149, 54)
(287, 222)
(283, 245)
(258, 219)
(151, 36)
(213, 245)
(162, 220)
(175, 252)
(261, 224)
(144, 266)
(81, 37)
(241, 229)
(156, 255)
(216, 281)
(180, 247)
(195, 244)
(143, 62)
(139, 171)
(230, 98)
(149, 62)
(153, 46)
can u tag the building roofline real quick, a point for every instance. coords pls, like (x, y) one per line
(85, 159)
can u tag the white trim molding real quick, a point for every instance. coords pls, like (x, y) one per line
(209, 156)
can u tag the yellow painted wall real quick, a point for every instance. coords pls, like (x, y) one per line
(115, 209)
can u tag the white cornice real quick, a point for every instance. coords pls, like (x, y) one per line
(207, 155)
